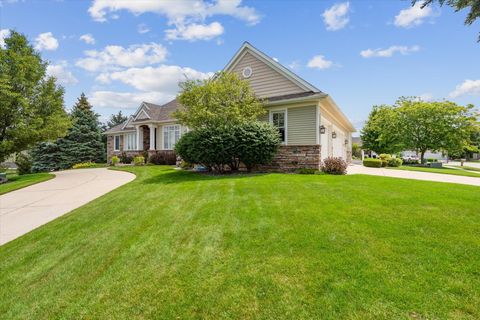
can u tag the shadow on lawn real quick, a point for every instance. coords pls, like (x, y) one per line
(180, 176)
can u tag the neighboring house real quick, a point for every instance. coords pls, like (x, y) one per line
(311, 125)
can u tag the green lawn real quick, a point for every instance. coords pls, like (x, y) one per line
(457, 172)
(17, 182)
(467, 168)
(173, 244)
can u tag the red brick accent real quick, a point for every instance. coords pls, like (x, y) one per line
(290, 158)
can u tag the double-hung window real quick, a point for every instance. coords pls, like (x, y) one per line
(130, 141)
(278, 121)
(116, 143)
(171, 134)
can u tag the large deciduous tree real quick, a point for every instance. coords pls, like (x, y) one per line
(32, 108)
(381, 133)
(434, 126)
(220, 101)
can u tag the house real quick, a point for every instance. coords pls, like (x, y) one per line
(311, 125)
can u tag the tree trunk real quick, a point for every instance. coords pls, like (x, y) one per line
(422, 156)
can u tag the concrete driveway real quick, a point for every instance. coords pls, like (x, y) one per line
(416, 175)
(26, 209)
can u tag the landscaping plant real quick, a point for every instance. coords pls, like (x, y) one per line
(24, 163)
(334, 165)
(139, 160)
(114, 160)
(372, 163)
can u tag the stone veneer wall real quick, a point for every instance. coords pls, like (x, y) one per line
(290, 158)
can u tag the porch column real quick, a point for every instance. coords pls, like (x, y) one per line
(152, 127)
(139, 138)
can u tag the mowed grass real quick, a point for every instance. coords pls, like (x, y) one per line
(174, 244)
(456, 172)
(16, 182)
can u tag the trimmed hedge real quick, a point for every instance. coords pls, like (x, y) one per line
(372, 163)
(395, 162)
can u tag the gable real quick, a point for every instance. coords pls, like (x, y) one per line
(141, 113)
(265, 81)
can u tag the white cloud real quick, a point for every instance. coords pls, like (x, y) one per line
(193, 32)
(413, 16)
(177, 11)
(162, 79)
(60, 71)
(87, 38)
(46, 41)
(4, 33)
(336, 18)
(319, 62)
(113, 57)
(143, 28)
(387, 53)
(126, 100)
(187, 16)
(467, 87)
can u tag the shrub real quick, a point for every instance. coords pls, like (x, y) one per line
(410, 161)
(385, 157)
(395, 162)
(306, 171)
(114, 160)
(163, 158)
(432, 160)
(372, 163)
(256, 143)
(24, 163)
(139, 160)
(88, 164)
(332, 165)
(252, 143)
(124, 158)
(214, 148)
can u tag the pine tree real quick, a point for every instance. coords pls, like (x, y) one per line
(83, 141)
(116, 119)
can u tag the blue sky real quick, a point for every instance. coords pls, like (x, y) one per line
(361, 53)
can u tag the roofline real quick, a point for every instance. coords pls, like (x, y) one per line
(316, 96)
(339, 111)
(273, 64)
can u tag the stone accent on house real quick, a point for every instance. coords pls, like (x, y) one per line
(110, 147)
(290, 158)
(146, 137)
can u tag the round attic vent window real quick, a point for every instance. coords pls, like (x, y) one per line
(247, 72)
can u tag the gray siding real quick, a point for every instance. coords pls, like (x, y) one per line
(265, 81)
(301, 125)
(264, 117)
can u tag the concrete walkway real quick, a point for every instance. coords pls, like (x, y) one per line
(26, 209)
(416, 175)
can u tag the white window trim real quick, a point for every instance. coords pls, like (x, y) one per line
(270, 116)
(164, 128)
(114, 142)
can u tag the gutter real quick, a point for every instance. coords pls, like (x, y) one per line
(294, 100)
